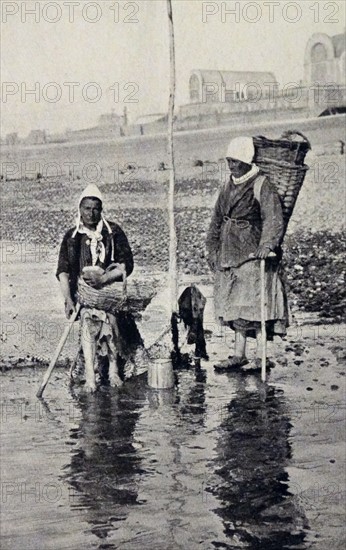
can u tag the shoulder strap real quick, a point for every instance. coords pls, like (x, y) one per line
(258, 187)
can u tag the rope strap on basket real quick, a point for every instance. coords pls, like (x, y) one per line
(290, 133)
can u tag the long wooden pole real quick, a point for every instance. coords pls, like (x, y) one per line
(263, 320)
(57, 352)
(173, 276)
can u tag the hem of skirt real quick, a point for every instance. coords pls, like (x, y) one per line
(274, 327)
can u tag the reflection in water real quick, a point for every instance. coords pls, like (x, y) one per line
(250, 482)
(143, 459)
(192, 395)
(104, 463)
(177, 460)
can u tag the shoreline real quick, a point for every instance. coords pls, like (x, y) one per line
(30, 334)
(303, 124)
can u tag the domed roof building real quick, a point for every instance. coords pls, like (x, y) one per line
(325, 60)
(212, 86)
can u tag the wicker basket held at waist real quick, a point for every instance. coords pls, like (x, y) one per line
(112, 297)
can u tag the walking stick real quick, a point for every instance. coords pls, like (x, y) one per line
(263, 320)
(264, 316)
(57, 352)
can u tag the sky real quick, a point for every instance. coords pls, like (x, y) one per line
(92, 57)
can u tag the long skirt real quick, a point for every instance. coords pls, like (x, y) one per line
(237, 298)
(115, 335)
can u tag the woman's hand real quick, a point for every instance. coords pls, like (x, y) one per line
(263, 251)
(69, 307)
(66, 292)
(212, 263)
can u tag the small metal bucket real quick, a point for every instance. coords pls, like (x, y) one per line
(160, 374)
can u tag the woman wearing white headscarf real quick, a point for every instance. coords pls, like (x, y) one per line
(246, 226)
(94, 241)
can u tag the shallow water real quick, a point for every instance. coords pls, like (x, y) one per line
(200, 466)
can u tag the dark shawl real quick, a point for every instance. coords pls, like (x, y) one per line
(251, 223)
(74, 255)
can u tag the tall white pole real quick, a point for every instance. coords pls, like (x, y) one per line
(173, 276)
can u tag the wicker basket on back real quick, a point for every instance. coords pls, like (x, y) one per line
(282, 160)
(122, 296)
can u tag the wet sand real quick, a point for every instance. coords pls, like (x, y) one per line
(220, 461)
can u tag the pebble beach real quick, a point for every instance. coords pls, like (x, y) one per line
(218, 461)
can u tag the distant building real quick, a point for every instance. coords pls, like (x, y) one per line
(94, 133)
(233, 97)
(217, 96)
(153, 123)
(110, 120)
(153, 117)
(224, 97)
(325, 59)
(210, 86)
(12, 139)
(36, 137)
(110, 126)
(57, 138)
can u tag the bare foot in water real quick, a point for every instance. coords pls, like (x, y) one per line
(115, 381)
(237, 361)
(232, 363)
(256, 365)
(90, 388)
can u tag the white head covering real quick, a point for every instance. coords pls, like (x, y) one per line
(91, 191)
(241, 148)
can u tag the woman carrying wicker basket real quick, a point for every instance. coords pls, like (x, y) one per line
(97, 251)
(247, 226)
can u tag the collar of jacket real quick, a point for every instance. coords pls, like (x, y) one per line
(253, 172)
(105, 225)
